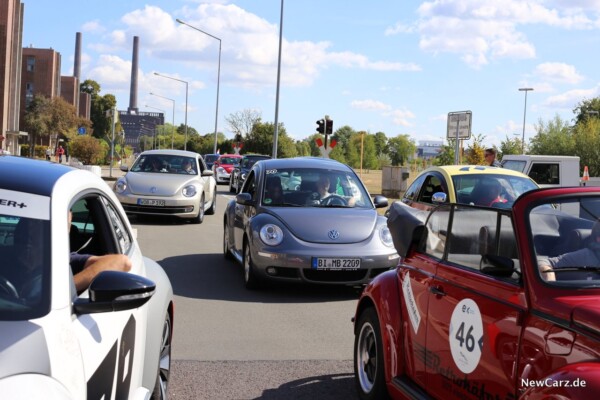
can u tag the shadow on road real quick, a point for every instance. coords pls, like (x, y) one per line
(209, 276)
(338, 386)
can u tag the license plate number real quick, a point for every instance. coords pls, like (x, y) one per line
(335, 263)
(151, 202)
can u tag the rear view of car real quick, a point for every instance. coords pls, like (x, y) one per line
(224, 165)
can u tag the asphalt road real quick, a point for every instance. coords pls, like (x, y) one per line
(282, 342)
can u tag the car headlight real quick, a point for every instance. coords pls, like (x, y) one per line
(243, 177)
(386, 236)
(221, 170)
(189, 191)
(271, 234)
(120, 186)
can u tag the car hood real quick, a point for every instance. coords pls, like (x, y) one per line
(587, 315)
(157, 184)
(24, 349)
(315, 224)
(227, 167)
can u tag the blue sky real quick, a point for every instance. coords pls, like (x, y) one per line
(396, 66)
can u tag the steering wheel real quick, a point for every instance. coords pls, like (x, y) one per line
(334, 199)
(7, 287)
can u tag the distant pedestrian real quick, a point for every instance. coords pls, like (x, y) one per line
(48, 153)
(60, 152)
(490, 157)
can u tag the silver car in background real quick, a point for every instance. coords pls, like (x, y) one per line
(160, 183)
(281, 229)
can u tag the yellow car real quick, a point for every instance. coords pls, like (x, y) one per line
(468, 184)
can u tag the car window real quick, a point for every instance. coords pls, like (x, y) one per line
(120, 231)
(545, 173)
(164, 164)
(25, 268)
(437, 232)
(413, 190)
(432, 184)
(567, 240)
(250, 185)
(490, 190)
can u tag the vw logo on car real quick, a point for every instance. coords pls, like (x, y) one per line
(333, 234)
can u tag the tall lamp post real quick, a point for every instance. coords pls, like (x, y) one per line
(524, 114)
(154, 137)
(276, 134)
(173, 123)
(218, 78)
(186, 104)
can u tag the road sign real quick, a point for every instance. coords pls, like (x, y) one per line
(459, 123)
(81, 130)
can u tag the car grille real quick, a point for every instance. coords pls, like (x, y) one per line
(335, 276)
(136, 209)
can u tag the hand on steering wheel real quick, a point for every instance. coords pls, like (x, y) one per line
(334, 199)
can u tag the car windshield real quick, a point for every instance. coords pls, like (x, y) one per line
(165, 164)
(310, 187)
(492, 190)
(229, 160)
(25, 267)
(210, 158)
(250, 161)
(566, 238)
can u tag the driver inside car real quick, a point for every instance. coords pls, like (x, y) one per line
(324, 196)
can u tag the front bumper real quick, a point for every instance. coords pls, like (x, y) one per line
(182, 207)
(222, 177)
(296, 265)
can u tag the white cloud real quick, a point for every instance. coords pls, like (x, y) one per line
(568, 100)
(558, 72)
(92, 27)
(399, 28)
(401, 117)
(370, 105)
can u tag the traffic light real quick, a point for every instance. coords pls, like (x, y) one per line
(328, 127)
(321, 126)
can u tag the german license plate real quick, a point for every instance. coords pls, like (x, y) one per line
(151, 202)
(335, 263)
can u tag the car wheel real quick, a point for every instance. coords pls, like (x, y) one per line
(250, 279)
(226, 247)
(200, 217)
(213, 206)
(164, 362)
(231, 189)
(368, 358)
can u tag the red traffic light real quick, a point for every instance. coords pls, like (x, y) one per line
(329, 127)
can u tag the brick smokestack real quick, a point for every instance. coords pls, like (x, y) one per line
(77, 65)
(133, 109)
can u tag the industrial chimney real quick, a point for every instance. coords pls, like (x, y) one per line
(134, 78)
(77, 66)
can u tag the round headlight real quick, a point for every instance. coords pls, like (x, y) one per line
(189, 191)
(386, 236)
(221, 170)
(243, 176)
(271, 235)
(120, 185)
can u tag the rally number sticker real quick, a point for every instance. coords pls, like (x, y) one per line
(466, 335)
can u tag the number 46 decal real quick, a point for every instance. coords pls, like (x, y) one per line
(466, 335)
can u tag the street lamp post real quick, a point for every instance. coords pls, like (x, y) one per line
(154, 137)
(218, 78)
(186, 105)
(276, 133)
(173, 123)
(524, 114)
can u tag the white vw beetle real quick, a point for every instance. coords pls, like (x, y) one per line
(113, 340)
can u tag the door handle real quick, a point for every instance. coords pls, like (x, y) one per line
(437, 291)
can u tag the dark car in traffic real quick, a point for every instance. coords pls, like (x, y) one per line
(239, 172)
(210, 159)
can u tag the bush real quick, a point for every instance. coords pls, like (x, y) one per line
(38, 151)
(87, 149)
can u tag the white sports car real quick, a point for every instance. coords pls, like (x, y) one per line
(113, 340)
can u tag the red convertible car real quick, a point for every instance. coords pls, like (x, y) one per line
(486, 303)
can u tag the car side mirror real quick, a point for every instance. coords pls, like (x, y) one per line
(380, 201)
(124, 168)
(207, 172)
(439, 197)
(115, 291)
(244, 199)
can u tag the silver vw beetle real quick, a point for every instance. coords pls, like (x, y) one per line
(307, 220)
(168, 182)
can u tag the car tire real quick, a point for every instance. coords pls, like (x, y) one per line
(213, 206)
(369, 370)
(200, 217)
(164, 362)
(251, 281)
(226, 249)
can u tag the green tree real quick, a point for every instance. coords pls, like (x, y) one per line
(552, 138)
(87, 149)
(260, 140)
(37, 120)
(586, 109)
(446, 154)
(401, 148)
(510, 146)
(475, 151)
(586, 138)
(303, 148)
(101, 122)
(381, 143)
(242, 122)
